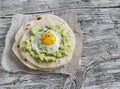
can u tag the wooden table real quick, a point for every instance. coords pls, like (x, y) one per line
(100, 22)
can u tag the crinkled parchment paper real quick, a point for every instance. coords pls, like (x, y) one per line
(12, 64)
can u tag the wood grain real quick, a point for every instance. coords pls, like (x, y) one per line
(100, 22)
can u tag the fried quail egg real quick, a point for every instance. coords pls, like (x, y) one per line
(47, 41)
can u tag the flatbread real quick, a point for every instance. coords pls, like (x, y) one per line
(15, 49)
(42, 21)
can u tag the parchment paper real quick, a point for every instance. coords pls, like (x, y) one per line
(12, 64)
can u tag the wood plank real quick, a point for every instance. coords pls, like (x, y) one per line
(100, 58)
(27, 81)
(8, 8)
(100, 22)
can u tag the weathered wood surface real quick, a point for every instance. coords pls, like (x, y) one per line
(100, 22)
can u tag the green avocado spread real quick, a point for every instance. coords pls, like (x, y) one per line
(62, 51)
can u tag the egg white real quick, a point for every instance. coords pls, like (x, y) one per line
(38, 46)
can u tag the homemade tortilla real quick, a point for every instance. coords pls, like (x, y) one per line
(15, 48)
(42, 21)
(18, 36)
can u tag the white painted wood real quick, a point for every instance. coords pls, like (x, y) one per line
(100, 22)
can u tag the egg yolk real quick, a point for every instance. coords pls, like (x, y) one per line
(48, 38)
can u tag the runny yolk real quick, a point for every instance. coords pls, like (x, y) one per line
(48, 38)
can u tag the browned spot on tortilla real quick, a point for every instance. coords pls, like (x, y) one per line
(18, 46)
(27, 24)
(26, 28)
(25, 60)
(39, 18)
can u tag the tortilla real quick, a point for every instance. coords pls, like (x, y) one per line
(15, 49)
(42, 21)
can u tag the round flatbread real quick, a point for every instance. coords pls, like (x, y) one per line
(42, 21)
(16, 46)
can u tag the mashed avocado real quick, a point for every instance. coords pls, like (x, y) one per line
(45, 57)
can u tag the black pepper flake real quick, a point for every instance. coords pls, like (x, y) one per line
(59, 61)
(47, 27)
(38, 18)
